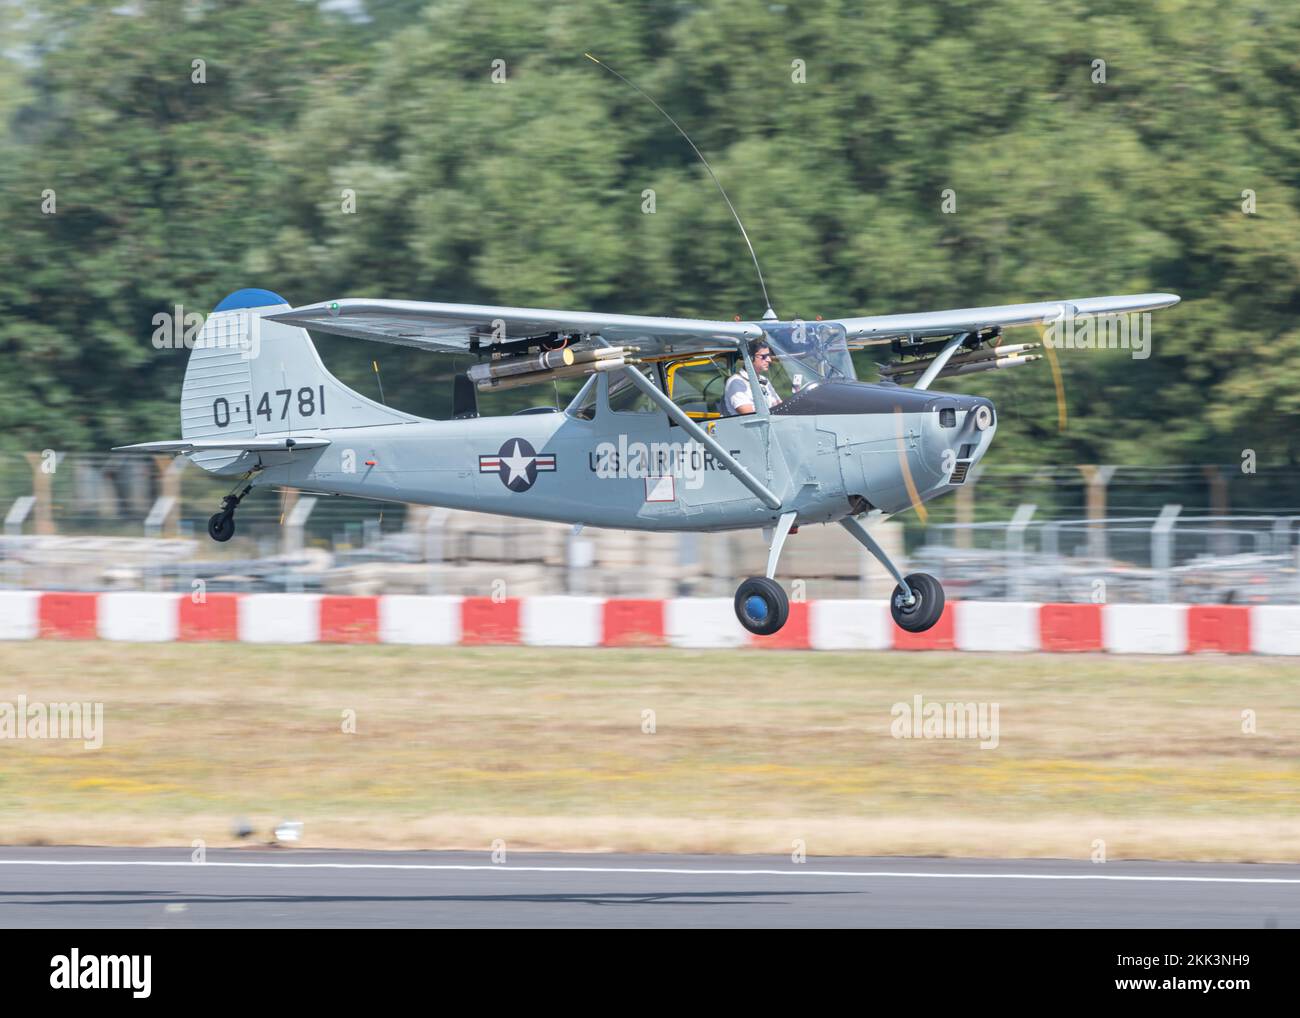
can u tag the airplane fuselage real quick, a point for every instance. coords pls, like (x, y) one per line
(641, 471)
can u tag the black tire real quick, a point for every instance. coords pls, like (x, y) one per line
(221, 526)
(761, 605)
(927, 609)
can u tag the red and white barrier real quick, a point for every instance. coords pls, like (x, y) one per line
(138, 617)
(1155, 629)
(1274, 629)
(407, 618)
(280, 618)
(1067, 628)
(562, 621)
(703, 622)
(851, 625)
(994, 626)
(20, 615)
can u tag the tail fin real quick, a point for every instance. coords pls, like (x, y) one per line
(248, 378)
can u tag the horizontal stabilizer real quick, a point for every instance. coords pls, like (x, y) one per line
(250, 444)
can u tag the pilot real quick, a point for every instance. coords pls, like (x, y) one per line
(738, 398)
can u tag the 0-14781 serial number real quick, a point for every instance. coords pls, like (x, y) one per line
(310, 403)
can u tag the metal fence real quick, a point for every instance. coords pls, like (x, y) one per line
(1168, 557)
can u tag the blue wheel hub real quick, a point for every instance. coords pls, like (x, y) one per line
(757, 608)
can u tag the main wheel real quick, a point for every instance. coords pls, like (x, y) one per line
(761, 605)
(924, 612)
(221, 526)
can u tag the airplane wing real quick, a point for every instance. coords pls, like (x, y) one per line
(460, 328)
(249, 444)
(882, 328)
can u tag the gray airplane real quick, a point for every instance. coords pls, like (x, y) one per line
(651, 440)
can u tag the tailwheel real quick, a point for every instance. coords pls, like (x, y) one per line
(761, 605)
(221, 526)
(926, 606)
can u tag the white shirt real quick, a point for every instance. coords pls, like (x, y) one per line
(738, 393)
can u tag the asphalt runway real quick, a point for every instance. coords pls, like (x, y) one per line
(162, 888)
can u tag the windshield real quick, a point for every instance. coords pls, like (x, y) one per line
(808, 352)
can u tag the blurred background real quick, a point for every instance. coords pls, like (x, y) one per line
(155, 157)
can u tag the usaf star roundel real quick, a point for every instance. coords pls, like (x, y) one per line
(516, 464)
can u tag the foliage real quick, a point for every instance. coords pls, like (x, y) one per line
(530, 191)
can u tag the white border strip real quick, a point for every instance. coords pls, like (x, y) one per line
(485, 867)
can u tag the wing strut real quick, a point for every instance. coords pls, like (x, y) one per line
(704, 438)
(937, 365)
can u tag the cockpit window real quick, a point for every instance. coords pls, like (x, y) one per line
(624, 397)
(697, 384)
(808, 352)
(584, 403)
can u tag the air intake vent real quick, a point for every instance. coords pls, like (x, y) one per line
(967, 451)
(948, 417)
(959, 473)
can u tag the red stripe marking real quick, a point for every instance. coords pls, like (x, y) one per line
(937, 637)
(68, 616)
(349, 619)
(1067, 628)
(1222, 628)
(633, 623)
(216, 618)
(792, 636)
(485, 621)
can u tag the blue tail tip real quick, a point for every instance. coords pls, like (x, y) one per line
(251, 298)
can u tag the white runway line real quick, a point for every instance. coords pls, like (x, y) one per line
(503, 868)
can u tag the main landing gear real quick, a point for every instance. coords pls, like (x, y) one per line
(925, 607)
(221, 525)
(917, 601)
(763, 608)
(761, 604)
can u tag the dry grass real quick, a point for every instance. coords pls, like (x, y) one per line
(545, 749)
